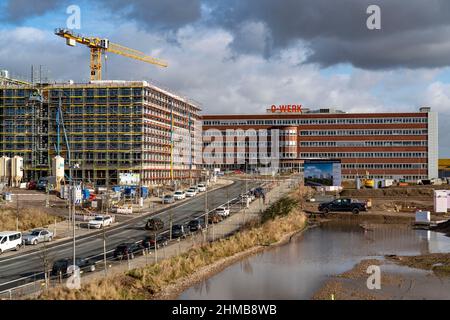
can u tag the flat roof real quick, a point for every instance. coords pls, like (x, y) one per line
(311, 115)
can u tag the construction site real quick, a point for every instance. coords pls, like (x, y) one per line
(102, 132)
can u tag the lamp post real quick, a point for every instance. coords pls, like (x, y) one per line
(72, 203)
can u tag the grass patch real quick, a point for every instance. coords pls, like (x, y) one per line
(29, 218)
(282, 218)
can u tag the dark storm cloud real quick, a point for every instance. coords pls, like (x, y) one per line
(336, 31)
(19, 10)
(158, 14)
(414, 33)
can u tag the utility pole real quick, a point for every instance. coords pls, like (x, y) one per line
(170, 225)
(72, 200)
(104, 246)
(206, 211)
(17, 212)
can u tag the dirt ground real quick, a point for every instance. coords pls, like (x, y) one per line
(414, 282)
(391, 202)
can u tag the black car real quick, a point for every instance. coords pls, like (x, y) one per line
(343, 205)
(60, 266)
(195, 225)
(154, 224)
(128, 250)
(259, 192)
(160, 239)
(178, 231)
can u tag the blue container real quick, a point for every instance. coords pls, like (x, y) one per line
(85, 193)
(116, 188)
(144, 192)
(130, 191)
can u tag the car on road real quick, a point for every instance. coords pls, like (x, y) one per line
(168, 198)
(201, 187)
(154, 224)
(62, 266)
(10, 240)
(214, 218)
(223, 211)
(100, 221)
(259, 192)
(191, 193)
(195, 225)
(128, 250)
(37, 235)
(179, 195)
(161, 240)
(246, 197)
(178, 231)
(343, 205)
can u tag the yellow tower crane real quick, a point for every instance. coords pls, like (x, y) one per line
(99, 47)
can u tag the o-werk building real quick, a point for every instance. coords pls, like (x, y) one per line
(110, 127)
(376, 145)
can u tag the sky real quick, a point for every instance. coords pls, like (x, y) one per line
(242, 56)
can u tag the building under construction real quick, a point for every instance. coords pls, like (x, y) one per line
(103, 129)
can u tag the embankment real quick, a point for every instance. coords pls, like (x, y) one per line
(171, 276)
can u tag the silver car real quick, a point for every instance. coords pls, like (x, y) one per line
(38, 235)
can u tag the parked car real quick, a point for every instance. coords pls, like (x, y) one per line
(100, 221)
(154, 224)
(195, 225)
(191, 193)
(10, 240)
(61, 266)
(214, 218)
(161, 240)
(37, 235)
(128, 250)
(201, 187)
(168, 198)
(44, 181)
(223, 211)
(32, 185)
(179, 195)
(343, 205)
(178, 231)
(259, 192)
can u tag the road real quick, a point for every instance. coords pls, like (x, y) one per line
(29, 263)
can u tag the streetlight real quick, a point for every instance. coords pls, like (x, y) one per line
(72, 202)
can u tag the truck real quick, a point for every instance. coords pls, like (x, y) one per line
(343, 205)
(44, 181)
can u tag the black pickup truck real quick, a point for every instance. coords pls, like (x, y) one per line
(343, 205)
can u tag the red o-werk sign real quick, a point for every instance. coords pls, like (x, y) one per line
(287, 108)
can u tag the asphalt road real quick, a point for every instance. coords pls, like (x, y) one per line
(29, 263)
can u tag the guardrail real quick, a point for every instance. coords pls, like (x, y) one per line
(36, 283)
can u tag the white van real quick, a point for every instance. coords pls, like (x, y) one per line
(10, 240)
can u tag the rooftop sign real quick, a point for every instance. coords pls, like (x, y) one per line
(286, 108)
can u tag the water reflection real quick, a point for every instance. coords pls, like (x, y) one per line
(298, 269)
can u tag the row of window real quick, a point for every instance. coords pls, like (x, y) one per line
(384, 166)
(407, 178)
(364, 155)
(383, 132)
(420, 143)
(393, 120)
